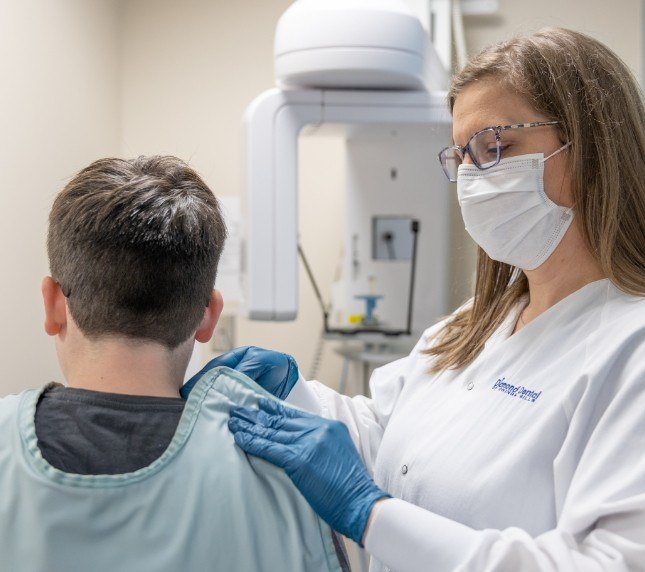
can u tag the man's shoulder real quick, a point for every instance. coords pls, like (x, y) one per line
(10, 408)
(12, 401)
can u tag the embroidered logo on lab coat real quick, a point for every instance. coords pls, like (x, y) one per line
(516, 390)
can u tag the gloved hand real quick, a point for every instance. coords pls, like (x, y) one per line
(319, 457)
(274, 371)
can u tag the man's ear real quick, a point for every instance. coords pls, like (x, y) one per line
(55, 306)
(211, 317)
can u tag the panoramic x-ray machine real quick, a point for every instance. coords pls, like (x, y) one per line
(367, 68)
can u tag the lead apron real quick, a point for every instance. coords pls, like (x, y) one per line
(203, 505)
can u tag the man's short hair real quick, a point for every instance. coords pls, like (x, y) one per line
(135, 246)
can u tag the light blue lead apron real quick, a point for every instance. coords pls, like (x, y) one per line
(202, 505)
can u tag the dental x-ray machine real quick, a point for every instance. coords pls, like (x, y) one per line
(368, 67)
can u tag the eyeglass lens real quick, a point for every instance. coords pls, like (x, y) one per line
(450, 159)
(483, 149)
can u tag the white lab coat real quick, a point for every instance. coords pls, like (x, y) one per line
(532, 458)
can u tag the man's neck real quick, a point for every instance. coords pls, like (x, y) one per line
(124, 366)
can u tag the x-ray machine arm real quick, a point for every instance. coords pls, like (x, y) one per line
(273, 123)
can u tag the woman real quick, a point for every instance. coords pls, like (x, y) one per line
(513, 436)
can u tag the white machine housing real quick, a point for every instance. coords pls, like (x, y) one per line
(392, 176)
(349, 44)
(353, 45)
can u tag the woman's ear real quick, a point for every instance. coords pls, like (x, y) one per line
(55, 306)
(211, 317)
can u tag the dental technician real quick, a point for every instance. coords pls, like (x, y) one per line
(513, 436)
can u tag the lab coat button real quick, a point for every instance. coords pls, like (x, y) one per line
(470, 385)
(404, 469)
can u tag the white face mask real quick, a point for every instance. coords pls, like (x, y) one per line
(507, 212)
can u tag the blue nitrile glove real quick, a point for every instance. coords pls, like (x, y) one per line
(319, 457)
(274, 371)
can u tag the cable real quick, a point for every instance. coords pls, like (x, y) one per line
(414, 227)
(323, 306)
(388, 238)
(317, 357)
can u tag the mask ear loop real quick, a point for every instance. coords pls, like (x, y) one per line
(557, 151)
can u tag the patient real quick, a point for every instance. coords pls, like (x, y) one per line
(115, 471)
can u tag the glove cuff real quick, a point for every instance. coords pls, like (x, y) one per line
(290, 378)
(362, 513)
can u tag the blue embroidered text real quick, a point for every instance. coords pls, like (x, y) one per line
(516, 390)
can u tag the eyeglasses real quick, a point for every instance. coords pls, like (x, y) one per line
(484, 148)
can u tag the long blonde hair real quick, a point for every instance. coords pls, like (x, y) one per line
(572, 78)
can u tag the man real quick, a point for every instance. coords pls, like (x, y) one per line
(116, 471)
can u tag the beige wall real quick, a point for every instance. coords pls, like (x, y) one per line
(88, 78)
(616, 23)
(58, 111)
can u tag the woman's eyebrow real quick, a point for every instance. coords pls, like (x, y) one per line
(471, 133)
